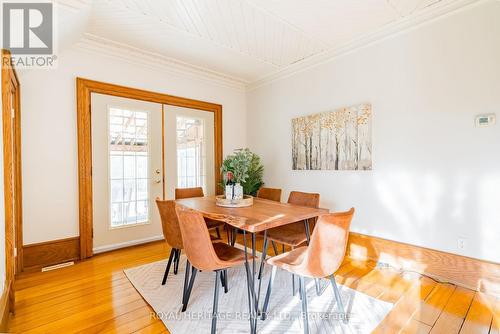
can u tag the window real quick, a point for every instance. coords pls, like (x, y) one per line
(191, 171)
(128, 167)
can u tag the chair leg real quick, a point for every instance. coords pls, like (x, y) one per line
(190, 288)
(304, 305)
(263, 257)
(217, 231)
(226, 287)
(186, 282)
(228, 234)
(216, 302)
(338, 297)
(268, 294)
(234, 234)
(177, 260)
(170, 258)
(223, 280)
(293, 278)
(275, 248)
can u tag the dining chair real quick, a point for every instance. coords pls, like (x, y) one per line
(181, 193)
(205, 256)
(321, 258)
(294, 234)
(172, 234)
(272, 194)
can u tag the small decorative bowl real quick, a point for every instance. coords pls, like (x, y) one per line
(221, 200)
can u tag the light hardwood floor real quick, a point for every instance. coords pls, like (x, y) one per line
(94, 296)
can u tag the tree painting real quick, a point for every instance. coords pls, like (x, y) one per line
(333, 140)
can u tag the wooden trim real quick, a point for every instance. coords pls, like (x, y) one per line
(84, 89)
(472, 273)
(39, 255)
(4, 307)
(163, 151)
(11, 128)
(18, 202)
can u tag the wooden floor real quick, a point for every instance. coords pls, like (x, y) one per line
(94, 296)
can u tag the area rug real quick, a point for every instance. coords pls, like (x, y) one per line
(364, 312)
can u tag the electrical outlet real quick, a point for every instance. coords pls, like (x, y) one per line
(382, 264)
(461, 244)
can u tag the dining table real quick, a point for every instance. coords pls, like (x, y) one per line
(252, 220)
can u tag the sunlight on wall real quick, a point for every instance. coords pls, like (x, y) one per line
(412, 199)
(489, 215)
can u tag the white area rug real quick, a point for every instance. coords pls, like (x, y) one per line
(364, 311)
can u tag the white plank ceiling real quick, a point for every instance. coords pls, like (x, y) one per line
(244, 39)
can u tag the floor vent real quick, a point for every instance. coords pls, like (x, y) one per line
(58, 266)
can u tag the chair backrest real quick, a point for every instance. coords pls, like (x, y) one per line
(188, 192)
(304, 199)
(272, 194)
(197, 244)
(327, 247)
(170, 223)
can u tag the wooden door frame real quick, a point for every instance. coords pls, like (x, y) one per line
(84, 89)
(11, 127)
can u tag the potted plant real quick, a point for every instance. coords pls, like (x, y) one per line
(242, 174)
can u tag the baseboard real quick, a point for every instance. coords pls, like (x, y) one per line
(5, 307)
(37, 256)
(107, 248)
(472, 273)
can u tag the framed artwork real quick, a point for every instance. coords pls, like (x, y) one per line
(333, 140)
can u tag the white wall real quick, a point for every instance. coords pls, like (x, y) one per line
(49, 148)
(435, 176)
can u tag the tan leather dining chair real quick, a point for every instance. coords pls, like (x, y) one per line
(172, 234)
(205, 256)
(322, 258)
(198, 192)
(294, 234)
(272, 194)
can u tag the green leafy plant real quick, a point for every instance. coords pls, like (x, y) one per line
(246, 168)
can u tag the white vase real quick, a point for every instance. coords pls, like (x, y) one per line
(238, 192)
(234, 192)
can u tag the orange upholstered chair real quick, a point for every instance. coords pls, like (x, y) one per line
(272, 194)
(205, 256)
(172, 234)
(294, 234)
(320, 259)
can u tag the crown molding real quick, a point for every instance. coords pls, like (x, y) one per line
(102, 46)
(427, 15)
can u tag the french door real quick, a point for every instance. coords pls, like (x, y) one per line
(189, 150)
(142, 151)
(127, 172)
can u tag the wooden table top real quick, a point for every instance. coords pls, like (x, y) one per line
(262, 215)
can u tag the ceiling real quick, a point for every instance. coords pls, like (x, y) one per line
(245, 40)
